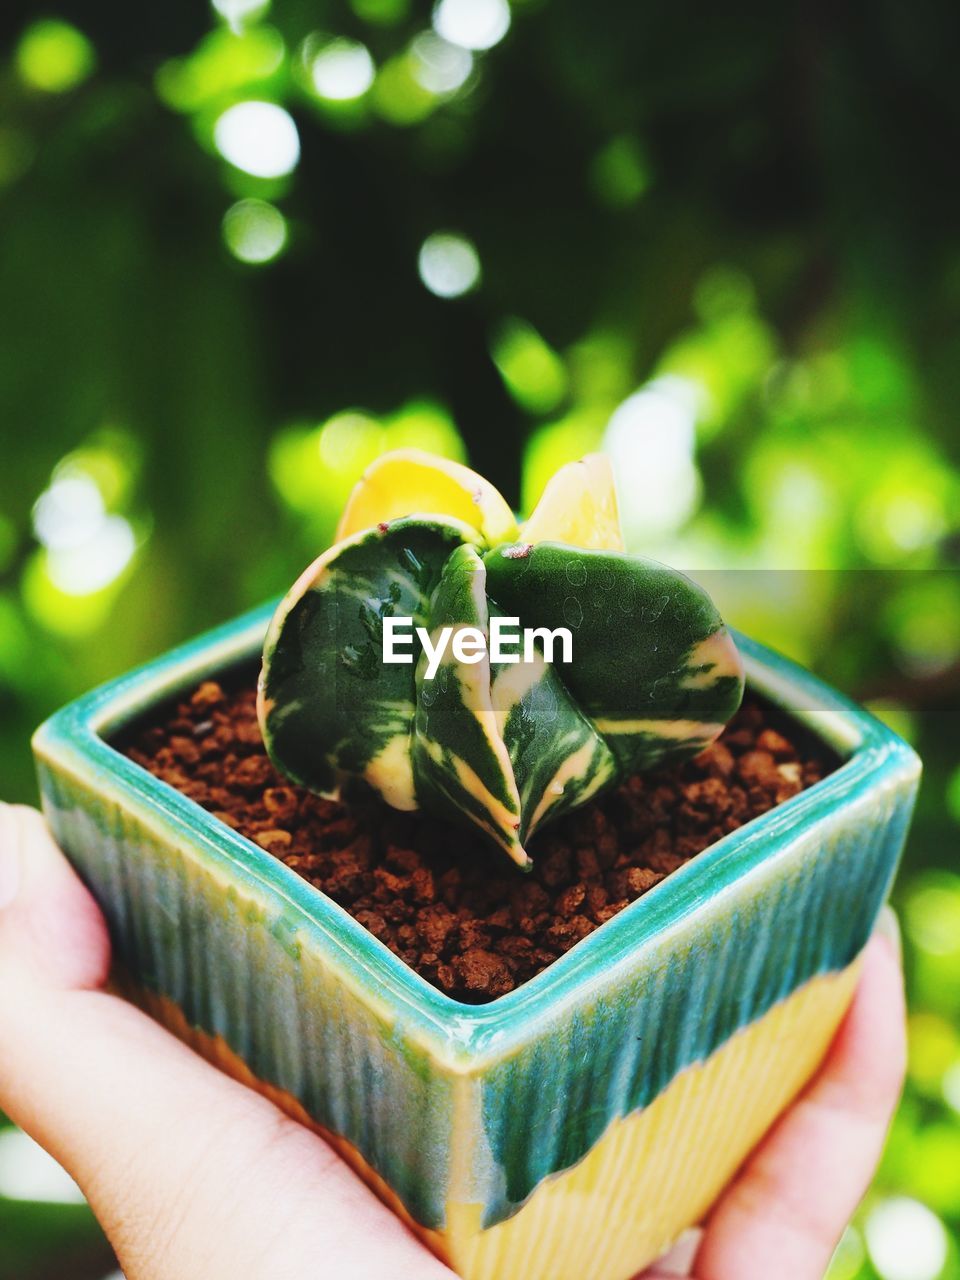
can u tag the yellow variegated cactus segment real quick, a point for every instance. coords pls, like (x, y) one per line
(578, 507)
(410, 482)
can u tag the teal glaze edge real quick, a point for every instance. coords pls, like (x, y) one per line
(456, 1037)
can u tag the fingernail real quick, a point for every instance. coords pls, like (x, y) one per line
(9, 858)
(678, 1261)
(888, 926)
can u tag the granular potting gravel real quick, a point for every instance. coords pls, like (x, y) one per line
(458, 912)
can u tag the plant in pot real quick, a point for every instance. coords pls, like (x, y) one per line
(511, 918)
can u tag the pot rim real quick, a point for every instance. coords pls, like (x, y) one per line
(75, 741)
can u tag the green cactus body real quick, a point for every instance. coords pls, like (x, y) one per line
(502, 743)
(329, 707)
(652, 678)
(460, 761)
(654, 668)
(558, 758)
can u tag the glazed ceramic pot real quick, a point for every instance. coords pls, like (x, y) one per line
(574, 1127)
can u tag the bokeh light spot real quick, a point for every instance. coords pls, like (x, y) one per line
(473, 24)
(620, 172)
(729, 354)
(534, 374)
(94, 564)
(933, 1046)
(554, 444)
(348, 440)
(425, 424)
(342, 70)
(254, 231)
(69, 513)
(239, 12)
(439, 66)
(923, 619)
(935, 1168)
(906, 1240)
(932, 914)
(650, 438)
(381, 13)
(27, 1172)
(54, 56)
(904, 513)
(84, 547)
(258, 137)
(399, 95)
(951, 1086)
(449, 264)
(225, 65)
(111, 459)
(313, 468)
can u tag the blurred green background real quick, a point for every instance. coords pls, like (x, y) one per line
(245, 249)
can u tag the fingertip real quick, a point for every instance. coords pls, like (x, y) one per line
(51, 929)
(864, 1070)
(880, 998)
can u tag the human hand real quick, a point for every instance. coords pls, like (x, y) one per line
(192, 1175)
(787, 1208)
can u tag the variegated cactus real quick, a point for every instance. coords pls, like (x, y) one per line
(653, 675)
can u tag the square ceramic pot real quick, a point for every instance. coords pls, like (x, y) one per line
(574, 1127)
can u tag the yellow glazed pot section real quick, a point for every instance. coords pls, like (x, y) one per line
(652, 1174)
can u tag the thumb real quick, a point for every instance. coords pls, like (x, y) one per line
(190, 1174)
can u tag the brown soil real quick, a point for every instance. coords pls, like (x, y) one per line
(459, 913)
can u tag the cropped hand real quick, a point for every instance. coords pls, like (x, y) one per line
(194, 1176)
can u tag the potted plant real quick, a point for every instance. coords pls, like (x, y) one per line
(577, 1123)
